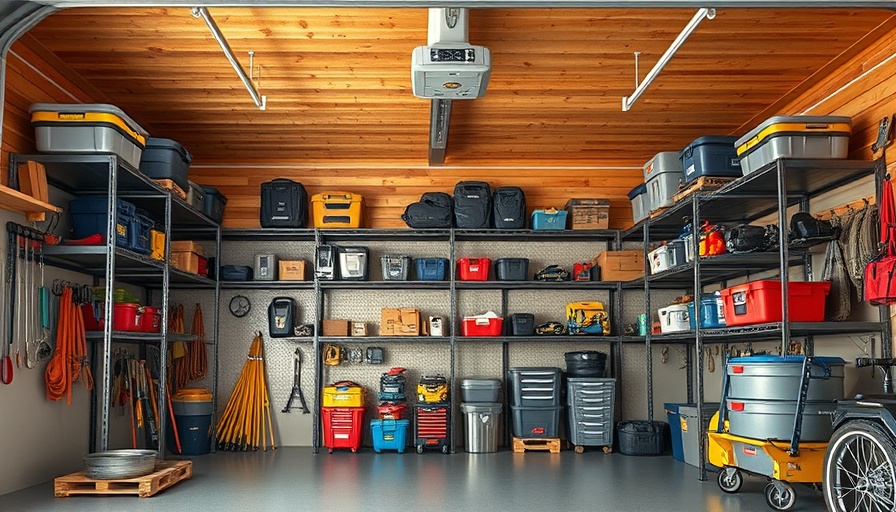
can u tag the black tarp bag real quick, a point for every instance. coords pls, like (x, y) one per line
(433, 210)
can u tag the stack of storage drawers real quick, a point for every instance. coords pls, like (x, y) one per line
(390, 430)
(482, 411)
(432, 414)
(535, 402)
(343, 415)
(591, 404)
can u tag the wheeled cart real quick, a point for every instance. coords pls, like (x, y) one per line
(432, 426)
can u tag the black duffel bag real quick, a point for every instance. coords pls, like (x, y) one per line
(509, 208)
(432, 211)
(472, 205)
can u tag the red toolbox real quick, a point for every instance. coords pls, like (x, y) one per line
(481, 326)
(343, 427)
(759, 302)
(389, 411)
(473, 269)
(432, 424)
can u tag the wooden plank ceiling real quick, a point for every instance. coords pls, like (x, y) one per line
(338, 80)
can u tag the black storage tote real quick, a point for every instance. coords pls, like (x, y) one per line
(284, 204)
(509, 208)
(472, 205)
(433, 210)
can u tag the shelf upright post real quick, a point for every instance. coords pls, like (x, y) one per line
(649, 336)
(698, 334)
(106, 363)
(616, 349)
(163, 344)
(783, 254)
(452, 336)
(216, 332)
(318, 357)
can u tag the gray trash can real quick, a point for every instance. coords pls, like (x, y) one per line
(481, 421)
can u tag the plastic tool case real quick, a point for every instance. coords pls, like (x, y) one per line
(710, 155)
(284, 204)
(87, 128)
(823, 137)
(166, 159)
(337, 210)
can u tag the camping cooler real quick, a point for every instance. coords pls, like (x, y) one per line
(710, 156)
(822, 137)
(640, 203)
(166, 159)
(712, 312)
(87, 128)
(674, 318)
(396, 267)
(662, 175)
(759, 302)
(336, 210)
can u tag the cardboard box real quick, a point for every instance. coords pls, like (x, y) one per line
(588, 213)
(185, 260)
(621, 265)
(335, 327)
(400, 322)
(292, 270)
(359, 329)
(187, 246)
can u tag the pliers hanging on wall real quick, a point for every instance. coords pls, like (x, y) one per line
(297, 385)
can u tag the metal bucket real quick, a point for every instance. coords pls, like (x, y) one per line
(763, 419)
(481, 426)
(778, 378)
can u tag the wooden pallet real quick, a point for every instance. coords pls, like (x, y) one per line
(658, 212)
(520, 445)
(702, 184)
(172, 187)
(168, 474)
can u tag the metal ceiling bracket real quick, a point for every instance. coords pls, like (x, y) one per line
(260, 101)
(628, 101)
(440, 118)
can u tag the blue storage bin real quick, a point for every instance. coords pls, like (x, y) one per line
(389, 434)
(712, 313)
(139, 234)
(431, 269)
(640, 203)
(548, 220)
(711, 155)
(674, 417)
(88, 216)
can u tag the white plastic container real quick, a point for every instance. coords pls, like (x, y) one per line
(662, 175)
(666, 256)
(674, 318)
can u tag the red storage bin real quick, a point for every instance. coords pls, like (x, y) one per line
(150, 319)
(392, 411)
(343, 427)
(759, 302)
(481, 326)
(473, 269)
(125, 317)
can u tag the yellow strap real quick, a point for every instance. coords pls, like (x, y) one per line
(87, 117)
(793, 127)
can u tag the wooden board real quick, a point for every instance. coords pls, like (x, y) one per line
(171, 472)
(172, 187)
(702, 184)
(521, 445)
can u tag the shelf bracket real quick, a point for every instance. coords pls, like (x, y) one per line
(628, 101)
(260, 101)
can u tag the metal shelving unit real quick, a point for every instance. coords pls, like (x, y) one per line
(107, 175)
(767, 191)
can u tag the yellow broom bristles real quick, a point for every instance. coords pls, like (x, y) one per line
(246, 420)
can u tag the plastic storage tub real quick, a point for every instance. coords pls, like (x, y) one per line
(690, 438)
(522, 324)
(213, 204)
(642, 437)
(473, 269)
(548, 220)
(336, 210)
(481, 421)
(585, 363)
(481, 326)
(193, 412)
(712, 312)
(822, 137)
(342, 427)
(673, 414)
(396, 267)
(344, 395)
(512, 269)
(710, 156)
(431, 269)
(536, 422)
(667, 256)
(778, 378)
(759, 302)
(353, 263)
(126, 317)
(480, 390)
(89, 215)
(662, 175)
(389, 434)
(87, 128)
(640, 203)
(535, 387)
(674, 318)
(773, 419)
(166, 159)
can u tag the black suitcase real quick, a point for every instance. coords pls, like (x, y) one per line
(284, 204)
(509, 208)
(472, 205)
(432, 211)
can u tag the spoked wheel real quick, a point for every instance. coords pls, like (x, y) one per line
(779, 495)
(730, 480)
(859, 472)
(419, 448)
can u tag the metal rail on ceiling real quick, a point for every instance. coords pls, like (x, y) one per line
(621, 4)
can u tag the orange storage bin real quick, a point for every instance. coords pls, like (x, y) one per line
(759, 302)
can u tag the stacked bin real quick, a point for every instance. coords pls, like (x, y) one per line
(389, 430)
(535, 402)
(591, 403)
(343, 415)
(432, 414)
(482, 414)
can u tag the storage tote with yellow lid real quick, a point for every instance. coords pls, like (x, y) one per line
(810, 137)
(344, 394)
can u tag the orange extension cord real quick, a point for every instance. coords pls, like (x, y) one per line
(69, 363)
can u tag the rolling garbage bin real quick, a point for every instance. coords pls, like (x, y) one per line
(193, 414)
(481, 426)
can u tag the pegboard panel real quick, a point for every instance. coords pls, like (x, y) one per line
(551, 353)
(550, 305)
(540, 254)
(243, 253)
(367, 305)
(478, 359)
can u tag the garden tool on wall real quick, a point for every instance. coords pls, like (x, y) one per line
(297, 385)
(246, 422)
(44, 348)
(6, 366)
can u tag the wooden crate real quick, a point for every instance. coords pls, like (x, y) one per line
(702, 184)
(520, 445)
(167, 474)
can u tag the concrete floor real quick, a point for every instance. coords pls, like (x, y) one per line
(295, 479)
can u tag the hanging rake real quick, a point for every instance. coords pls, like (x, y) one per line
(246, 423)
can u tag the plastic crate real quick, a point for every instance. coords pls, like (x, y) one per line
(759, 302)
(710, 156)
(166, 159)
(396, 267)
(389, 434)
(431, 269)
(536, 422)
(473, 269)
(642, 437)
(89, 215)
(535, 386)
(336, 210)
(522, 324)
(480, 326)
(512, 269)
(140, 233)
(342, 427)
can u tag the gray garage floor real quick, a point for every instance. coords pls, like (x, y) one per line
(295, 479)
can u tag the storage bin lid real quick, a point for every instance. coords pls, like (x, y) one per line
(802, 124)
(535, 369)
(767, 359)
(390, 423)
(637, 191)
(715, 140)
(339, 197)
(162, 143)
(192, 395)
(77, 108)
(481, 407)
(661, 163)
(480, 383)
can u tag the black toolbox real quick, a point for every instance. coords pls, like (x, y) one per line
(284, 204)
(522, 324)
(165, 159)
(512, 269)
(236, 273)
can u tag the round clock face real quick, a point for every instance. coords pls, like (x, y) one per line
(240, 306)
